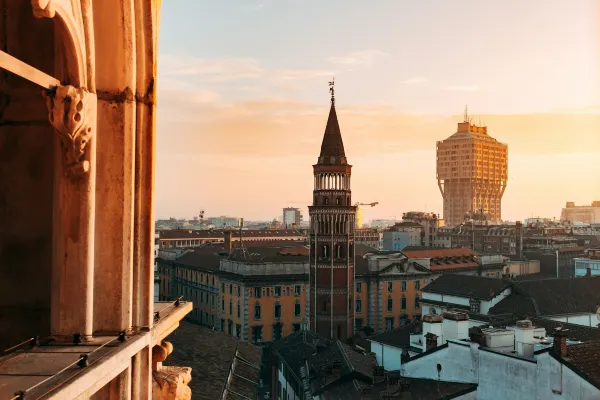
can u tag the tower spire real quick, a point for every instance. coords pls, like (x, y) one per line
(466, 114)
(332, 90)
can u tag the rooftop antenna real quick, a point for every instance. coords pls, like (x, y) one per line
(466, 114)
(242, 247)
(332, 90)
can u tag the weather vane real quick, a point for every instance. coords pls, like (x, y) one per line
(332, 89)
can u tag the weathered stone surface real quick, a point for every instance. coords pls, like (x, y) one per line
(171, 383)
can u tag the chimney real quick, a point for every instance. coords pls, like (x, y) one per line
(524, 338)
(228, 241)
(430, 341)
(455, 325)
(559, 347)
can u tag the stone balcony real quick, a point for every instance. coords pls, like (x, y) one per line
(53, 370)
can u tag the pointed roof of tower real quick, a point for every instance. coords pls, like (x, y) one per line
(332, 147)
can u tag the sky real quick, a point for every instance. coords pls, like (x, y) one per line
(243, 100)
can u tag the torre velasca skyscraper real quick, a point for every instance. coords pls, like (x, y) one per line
(472, 173)
(332, 220)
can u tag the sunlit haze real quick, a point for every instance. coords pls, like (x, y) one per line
(243, 100)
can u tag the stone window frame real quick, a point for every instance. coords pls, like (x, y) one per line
(257, 306)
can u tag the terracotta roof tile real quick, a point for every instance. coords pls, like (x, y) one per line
(585, 358)
(211, 355)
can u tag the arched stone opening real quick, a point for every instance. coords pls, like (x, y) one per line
(29, 149)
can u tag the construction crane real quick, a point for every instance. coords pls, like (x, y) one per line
(366, 204)
(359, 221)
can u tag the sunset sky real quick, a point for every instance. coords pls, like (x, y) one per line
(243, 100)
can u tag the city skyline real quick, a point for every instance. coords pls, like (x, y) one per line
(237, 134)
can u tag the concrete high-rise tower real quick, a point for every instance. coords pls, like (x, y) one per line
(332, 220)
(472, 173)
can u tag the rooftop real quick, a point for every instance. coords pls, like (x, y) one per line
(220, 362)
(551, 297)
(475, 287)
(584, 358)
(399, 337)
(220, 234)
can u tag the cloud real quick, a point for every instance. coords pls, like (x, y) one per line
(462, 88)
(361, 58)
(206, 124)
(212, 70)
(415, 81)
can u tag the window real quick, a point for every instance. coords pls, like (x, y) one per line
(239, 291)
(277, 291)
(326, 201)
(390, 286)
(257, 311)
(358, 287)
(230, 307)
(297, 290)
(230, 289)
(238, 330)
(389, 323)
(222, 325)
(223, 304)
(417, 285)
(358, 306)
(257, 292)
(297, 309)
(277, 331)
(213, 300)
(417, 302)
(338, 201)
(390, 304)
(325, 250)
(256, 334)
(358, 324)
(238, 309)
(277, 311)
(222, 287)
(296, 327)
(474, 305)
(404, 286)
(338, 251)
(403, 303)
(230, 327)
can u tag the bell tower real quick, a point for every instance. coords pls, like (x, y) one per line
(332, 221)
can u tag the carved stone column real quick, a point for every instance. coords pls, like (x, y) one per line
(72, 112)
(169, 383)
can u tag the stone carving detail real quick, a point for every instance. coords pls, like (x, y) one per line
(43, 8)
(72, 112)
(171, 383)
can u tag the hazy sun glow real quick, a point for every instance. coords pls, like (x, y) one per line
(243, 100)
